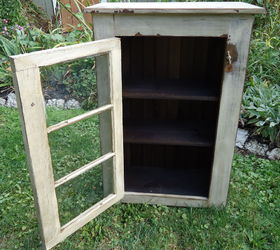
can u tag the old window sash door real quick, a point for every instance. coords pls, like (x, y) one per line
(35, 132)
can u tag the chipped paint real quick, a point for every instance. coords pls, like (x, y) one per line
(126, 11)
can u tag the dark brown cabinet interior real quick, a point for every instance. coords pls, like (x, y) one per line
(171, 93)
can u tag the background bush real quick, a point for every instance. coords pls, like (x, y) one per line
(11, 13)
(261, 100)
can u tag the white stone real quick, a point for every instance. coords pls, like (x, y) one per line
(241, 138)
(2, 102)
(51, 103)
(60, 103)
(72, 104)
(256, 148)
(274, 154)
(11, 101)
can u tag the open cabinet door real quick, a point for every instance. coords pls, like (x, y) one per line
(35, 131)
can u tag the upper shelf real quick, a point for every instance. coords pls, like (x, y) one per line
(172, 89)
(175, 7)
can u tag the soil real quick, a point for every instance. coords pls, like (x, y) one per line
(57, 92)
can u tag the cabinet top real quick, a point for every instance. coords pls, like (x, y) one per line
(176, 7)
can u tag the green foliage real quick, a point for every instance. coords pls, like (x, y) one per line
(32, 39)
(250, 219)
(262, 104)
(77, 77)
(18, 40)
(11, 13)
(81, 81)
(264, 56)
(261, 101)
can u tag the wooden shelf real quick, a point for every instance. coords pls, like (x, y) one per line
(179, 181)
(168, 133)
(173, 89)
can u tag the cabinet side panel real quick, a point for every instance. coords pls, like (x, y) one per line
(103, 26)
(103, 81)
(239, 37)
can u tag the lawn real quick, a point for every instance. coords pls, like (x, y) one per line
(249, 221)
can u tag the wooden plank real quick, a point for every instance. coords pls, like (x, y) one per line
(190, 197)
(67, 18)
(171, 90)
(47, 6)
(232, 89)
(160, 25)
(103, 90)
(83, 169)
(32, 113)
(63, 54)
(174, 57)
(137, 57)
(125, 43)
(161, 58)
(117, 119)
(175, 7)
(187, 55)
(168, 133)
(79, 118)
(166, 200)
(32, 109)
(149, 57)
(101, 21)
(182, 180)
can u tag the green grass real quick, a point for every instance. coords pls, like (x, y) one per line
(249, 221)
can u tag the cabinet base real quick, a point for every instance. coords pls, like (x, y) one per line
(166, 199)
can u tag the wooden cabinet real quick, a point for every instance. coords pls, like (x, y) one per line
(170, 79)
(183, 69)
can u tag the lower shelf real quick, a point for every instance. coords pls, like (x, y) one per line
(167, 181)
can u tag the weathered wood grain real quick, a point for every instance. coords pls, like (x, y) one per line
(32, 112)
(176, 8)
(239, 32)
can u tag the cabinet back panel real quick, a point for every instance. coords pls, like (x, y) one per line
(136, 109)
(173, 58)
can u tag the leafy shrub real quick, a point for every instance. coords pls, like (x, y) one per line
(77, 77)
(261, 101)
(11, 13)
(29, 40)
(18, 40)
(262, 109)
(264, 56)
